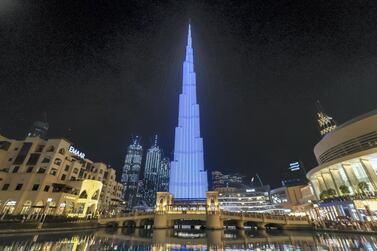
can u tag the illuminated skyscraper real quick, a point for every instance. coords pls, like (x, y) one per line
(163, 175)
(326, 123)
(152, 166)
(188, 178)
(131, 172)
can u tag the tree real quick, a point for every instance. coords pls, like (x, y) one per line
(363, 186)
(323, 195)
(344, 189)
(331, 192)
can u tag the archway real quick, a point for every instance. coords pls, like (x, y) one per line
(230, 224)
(26, 207)
(146, 223)
(129, 224)
(189, 224)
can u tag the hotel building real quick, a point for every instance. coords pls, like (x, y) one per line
(51, 177)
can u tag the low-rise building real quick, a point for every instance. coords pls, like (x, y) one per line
(246, 200)
(51, 177)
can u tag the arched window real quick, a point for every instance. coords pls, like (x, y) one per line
(83, 195)
(50, 149)
(95, 195)
(57, 161)
(46, 160)
(62, 151)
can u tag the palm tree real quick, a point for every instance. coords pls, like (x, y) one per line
(323, 195)
(363, 186)
(331, 192)
(344, 189)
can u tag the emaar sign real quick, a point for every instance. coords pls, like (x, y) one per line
(76, 152)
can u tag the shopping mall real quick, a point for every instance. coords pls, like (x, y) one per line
(345, 180)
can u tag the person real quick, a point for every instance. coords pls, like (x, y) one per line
(23, 218)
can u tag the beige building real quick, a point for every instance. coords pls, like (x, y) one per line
(347, 159)
(51, 177)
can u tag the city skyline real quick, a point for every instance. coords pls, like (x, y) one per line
(265, 67)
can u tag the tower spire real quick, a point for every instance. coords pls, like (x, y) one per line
(188, 178)
(326, 123)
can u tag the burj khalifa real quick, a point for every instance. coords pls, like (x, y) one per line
(188, 178)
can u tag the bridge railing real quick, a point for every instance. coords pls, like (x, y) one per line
(266, 216)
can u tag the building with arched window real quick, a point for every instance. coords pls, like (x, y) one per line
(52, 177)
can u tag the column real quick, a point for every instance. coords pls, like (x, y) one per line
(370, 172)
(351, 176)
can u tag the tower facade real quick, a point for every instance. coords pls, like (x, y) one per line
(152, 166)
(131, 172)
(188, 178)
(163, 175)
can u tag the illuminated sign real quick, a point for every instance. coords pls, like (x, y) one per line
(76, 152)
(294, 166)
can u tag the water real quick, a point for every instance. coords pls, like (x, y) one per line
(139, 239)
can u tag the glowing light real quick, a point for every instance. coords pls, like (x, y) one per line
(188, 178)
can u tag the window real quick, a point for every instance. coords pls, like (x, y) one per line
(22, 153)
(5, 187)
(10, 159)
(53, 171)
(33, 159)
(63, 177)
(47, 187)
(73, 178)
(15, 169)
(41, 170)
(16, 148)
(29, 169)
(35, 187)
(39, 148)
(19, 186)
(50, 149)
(66, 168)
(100, 171)
(4, 145)
(62, 151)
(57, 161)
(75, 171)
(46, 160)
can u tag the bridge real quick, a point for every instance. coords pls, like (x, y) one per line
(167, 214)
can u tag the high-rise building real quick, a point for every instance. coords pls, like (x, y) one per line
(38, 129)
(131, 172)
(163, 175)
(188, 178)
(152, 167)
(294, 175)
(220, 180)
(326, 123)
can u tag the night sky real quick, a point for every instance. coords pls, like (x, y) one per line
(106, 70)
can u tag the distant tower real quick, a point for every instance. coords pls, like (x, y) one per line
(152, 165)
(163, 175)
(38, 129)
(326, 123)
(188, 178)
(131, 172)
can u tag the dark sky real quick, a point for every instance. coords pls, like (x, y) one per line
(104, 70)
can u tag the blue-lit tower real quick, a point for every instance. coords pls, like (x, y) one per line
(188, 178)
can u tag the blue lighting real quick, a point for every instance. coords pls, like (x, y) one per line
(188, 178)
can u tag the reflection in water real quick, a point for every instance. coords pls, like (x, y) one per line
(159, 240)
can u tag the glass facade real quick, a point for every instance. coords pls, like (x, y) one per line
(355, 176)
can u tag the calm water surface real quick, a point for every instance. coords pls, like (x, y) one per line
(139, 239)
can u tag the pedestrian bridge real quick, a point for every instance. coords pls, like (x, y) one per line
(208, 214)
